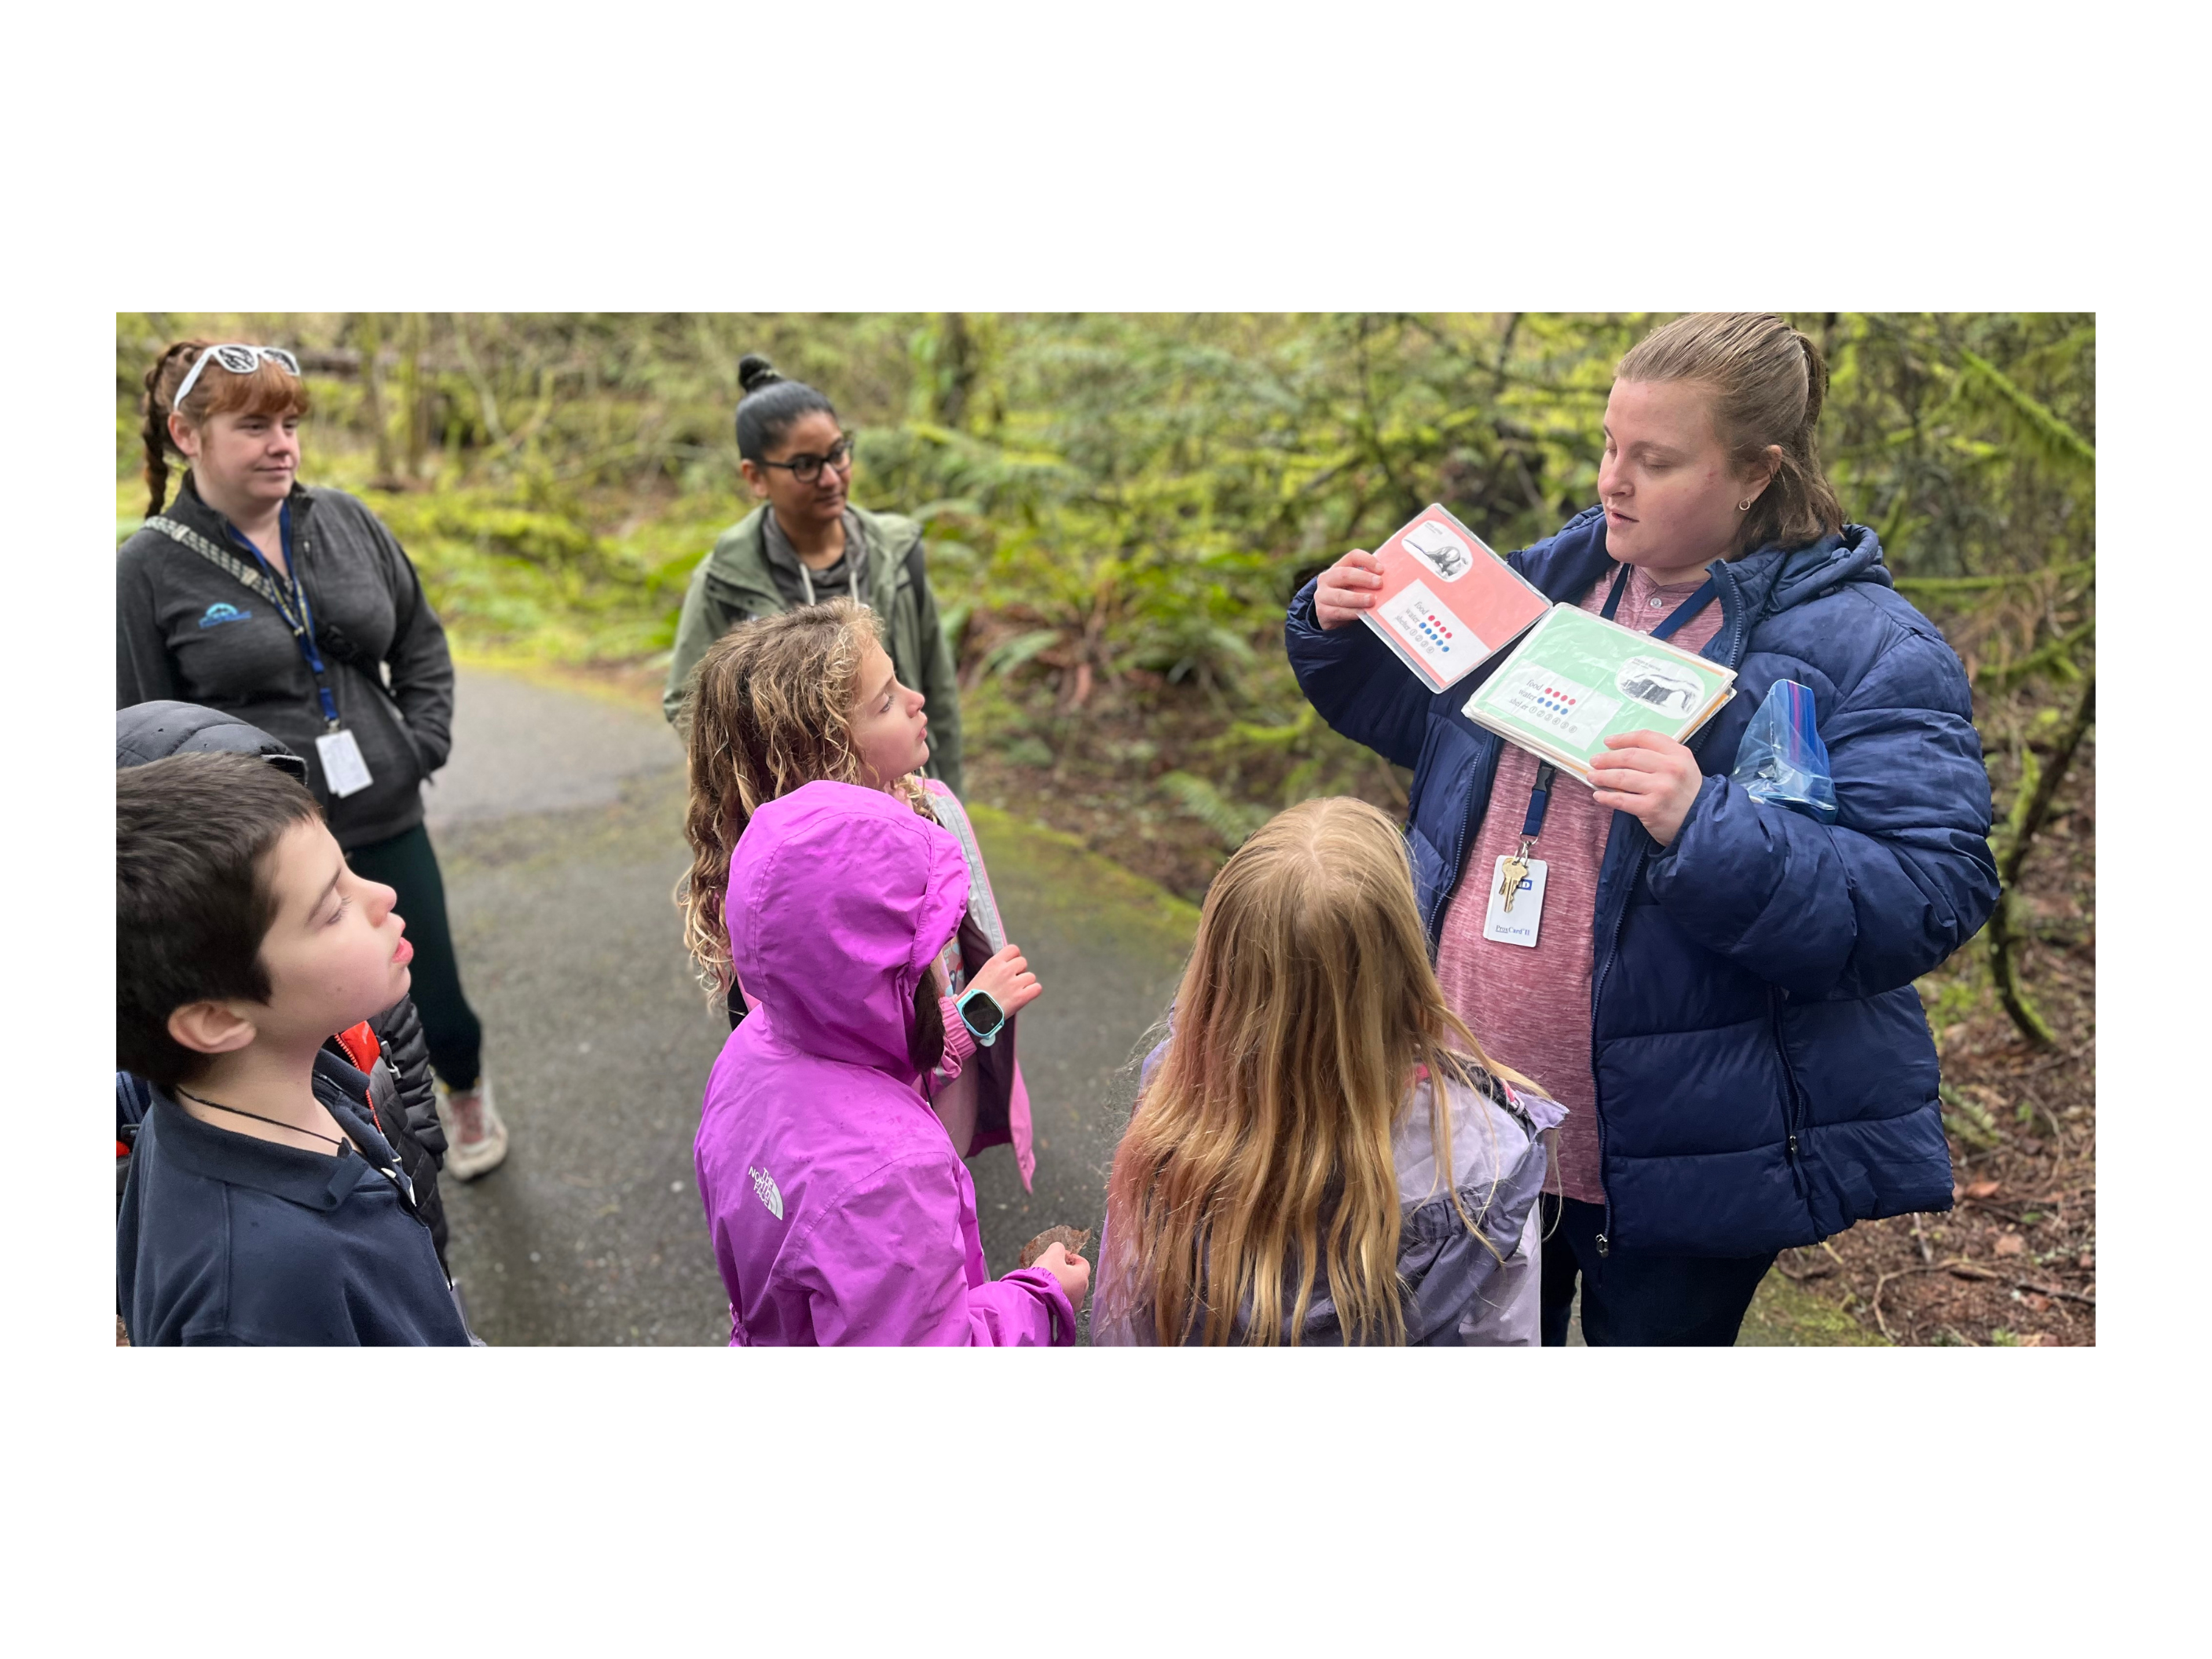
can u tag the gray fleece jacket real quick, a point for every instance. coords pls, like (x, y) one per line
(187, 632)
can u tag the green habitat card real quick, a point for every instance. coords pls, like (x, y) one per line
(1577, 679)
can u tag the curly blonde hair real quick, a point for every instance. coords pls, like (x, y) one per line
(768, 709)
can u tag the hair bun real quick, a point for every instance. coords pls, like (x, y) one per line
(754, 372)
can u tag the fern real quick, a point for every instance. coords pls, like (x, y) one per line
(1970, 1120)
(1234, 821)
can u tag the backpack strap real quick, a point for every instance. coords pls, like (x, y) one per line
(231, 566)
(980, 905)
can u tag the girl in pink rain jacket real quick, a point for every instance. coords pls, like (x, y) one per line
(808, 695)
(840, 1211)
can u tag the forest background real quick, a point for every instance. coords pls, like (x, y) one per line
(1119, 509)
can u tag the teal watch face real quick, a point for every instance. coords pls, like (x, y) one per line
(984, 1017)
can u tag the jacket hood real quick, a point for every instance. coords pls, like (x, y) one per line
(1852, 555)
(838, 898)
(148, 732)
(738, 560)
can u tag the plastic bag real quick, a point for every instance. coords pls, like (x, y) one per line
(1782, 760)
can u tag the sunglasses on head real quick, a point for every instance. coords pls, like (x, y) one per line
(239, 360)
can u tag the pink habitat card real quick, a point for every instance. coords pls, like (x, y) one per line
(1448, 603)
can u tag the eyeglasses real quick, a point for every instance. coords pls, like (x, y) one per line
(239, 360)
(807, 468)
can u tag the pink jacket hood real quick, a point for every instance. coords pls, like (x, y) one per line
(840, 1212)
(839, 897)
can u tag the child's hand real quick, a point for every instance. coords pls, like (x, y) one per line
(1072, 1272)
(1006, 980)
(1346, 591)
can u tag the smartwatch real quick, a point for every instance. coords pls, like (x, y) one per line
(983, 1017)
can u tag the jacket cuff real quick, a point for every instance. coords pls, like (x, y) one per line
(959, 1041)
(1058, 1307)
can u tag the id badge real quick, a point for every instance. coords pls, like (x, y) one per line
(343, 768)
(1518, 925)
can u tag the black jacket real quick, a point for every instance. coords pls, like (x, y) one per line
(222, 1239)
(185, 630)
(404, 1104)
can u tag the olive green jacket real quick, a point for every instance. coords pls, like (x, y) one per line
(733, 584)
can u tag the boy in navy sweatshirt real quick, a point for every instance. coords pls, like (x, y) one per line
(261, 1206)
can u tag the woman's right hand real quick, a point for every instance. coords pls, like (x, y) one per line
(1346, 592)
(1006, 980)
(1072, 1272)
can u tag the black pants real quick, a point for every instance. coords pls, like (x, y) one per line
(1632, 1299)
(407, 864)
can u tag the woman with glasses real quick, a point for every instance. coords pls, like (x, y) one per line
(296, 611)
(807, 542)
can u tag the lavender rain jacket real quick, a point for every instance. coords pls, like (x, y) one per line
(840, 1212)
(1458, 1290)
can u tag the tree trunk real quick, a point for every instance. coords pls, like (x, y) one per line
(414, 394)
(2031, 805)
(368, 336)
(956, 371)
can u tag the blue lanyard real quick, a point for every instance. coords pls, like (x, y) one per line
(297, 615)
(1540, 797)
(1688, 608)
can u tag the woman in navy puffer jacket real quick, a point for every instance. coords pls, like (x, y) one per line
(1721, 991)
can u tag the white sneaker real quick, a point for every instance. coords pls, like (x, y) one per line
(475, 1139)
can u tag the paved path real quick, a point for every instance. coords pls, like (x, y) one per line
(560, 824)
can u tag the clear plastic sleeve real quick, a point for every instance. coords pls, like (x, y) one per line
(1782, 760)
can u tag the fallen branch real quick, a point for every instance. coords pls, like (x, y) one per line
(2056, 1060)
(1818, 1270)
(2054, 1291)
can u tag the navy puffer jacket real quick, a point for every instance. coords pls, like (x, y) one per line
(1764, 1075)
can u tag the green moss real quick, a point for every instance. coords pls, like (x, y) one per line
(1094, 897)
(1785, 1314)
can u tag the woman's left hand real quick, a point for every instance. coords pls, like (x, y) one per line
(1650, 777)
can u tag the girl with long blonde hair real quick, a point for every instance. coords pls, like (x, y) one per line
(810, 696)
(1321, 1153)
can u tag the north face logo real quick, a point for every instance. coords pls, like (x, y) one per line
(764, 1187)
(219, 613)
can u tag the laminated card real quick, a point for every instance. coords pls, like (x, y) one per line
(1575, 679)
(1448, 603)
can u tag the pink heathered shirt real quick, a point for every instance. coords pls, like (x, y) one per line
(1531, 1008)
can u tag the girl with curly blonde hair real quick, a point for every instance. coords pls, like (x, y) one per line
(810, 696)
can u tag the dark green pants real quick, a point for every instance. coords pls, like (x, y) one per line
(408, 865)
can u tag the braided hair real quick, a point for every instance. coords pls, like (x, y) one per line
(171, 365)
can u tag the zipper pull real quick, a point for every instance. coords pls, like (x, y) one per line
(1793, 1144)
(1603, 1249)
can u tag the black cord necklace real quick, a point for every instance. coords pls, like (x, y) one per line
(278, 1124)
(400, 1183)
